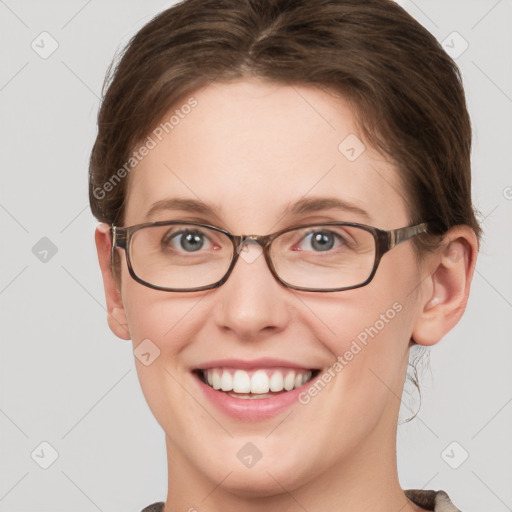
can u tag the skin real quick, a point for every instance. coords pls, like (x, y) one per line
(252, 148)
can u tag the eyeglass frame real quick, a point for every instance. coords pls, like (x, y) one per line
(384, 242)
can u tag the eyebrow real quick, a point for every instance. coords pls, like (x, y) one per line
(316, 204)
(185, 204)
(299, 207)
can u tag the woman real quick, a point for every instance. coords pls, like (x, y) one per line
(284, 196)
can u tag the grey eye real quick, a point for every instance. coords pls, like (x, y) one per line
(185, 240)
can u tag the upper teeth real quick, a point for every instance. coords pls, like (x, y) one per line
(259, 381)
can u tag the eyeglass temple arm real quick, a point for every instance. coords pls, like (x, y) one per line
(118, 238)
(397, 236)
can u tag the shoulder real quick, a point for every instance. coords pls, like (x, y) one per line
(155, 507)
(437, 501)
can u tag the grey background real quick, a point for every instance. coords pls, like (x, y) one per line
(66, 380)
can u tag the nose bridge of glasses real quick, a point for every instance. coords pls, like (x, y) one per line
(260, 240)
(243, 247)
(245, 241)
(250, 238)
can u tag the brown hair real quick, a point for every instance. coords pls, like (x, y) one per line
(406, 92)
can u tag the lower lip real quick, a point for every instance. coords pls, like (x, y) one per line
(251, 409)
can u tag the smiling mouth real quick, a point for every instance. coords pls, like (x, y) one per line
(257, 383)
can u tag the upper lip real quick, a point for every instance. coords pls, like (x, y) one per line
(264, 362)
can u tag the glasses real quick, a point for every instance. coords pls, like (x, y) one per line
(184, 256)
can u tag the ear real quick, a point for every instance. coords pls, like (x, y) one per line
(446, 290)
(116, 315)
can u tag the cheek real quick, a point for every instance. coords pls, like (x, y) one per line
(360, 324)
(364, 382)
(153, 314)
(161, 325)
(367, 330)
(367, 341)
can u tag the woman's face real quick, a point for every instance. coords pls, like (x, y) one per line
(250, 150)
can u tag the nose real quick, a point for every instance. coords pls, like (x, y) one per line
(252, 303)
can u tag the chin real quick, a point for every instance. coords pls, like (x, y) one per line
(261, 484)
(264, 479)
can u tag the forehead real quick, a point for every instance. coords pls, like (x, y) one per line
(250, 149)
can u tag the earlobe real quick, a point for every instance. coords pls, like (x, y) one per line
(116, 315)
(446, 290)
(118, 324)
